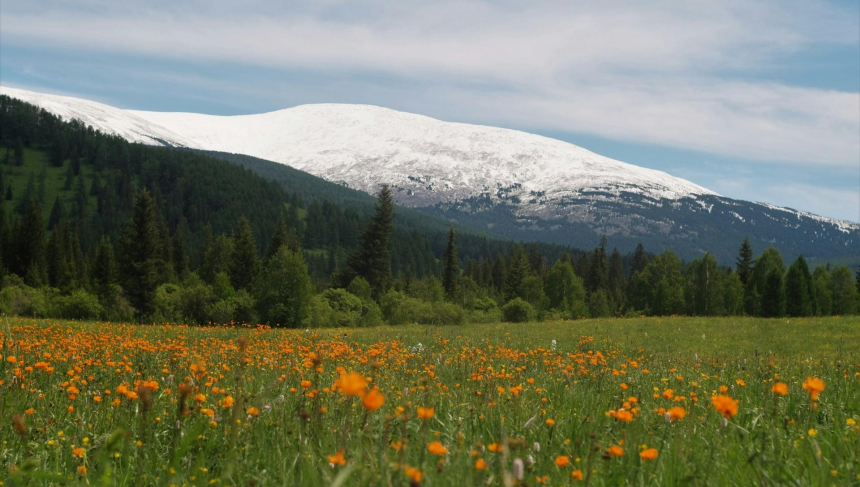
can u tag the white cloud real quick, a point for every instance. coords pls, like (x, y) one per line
(661, 72)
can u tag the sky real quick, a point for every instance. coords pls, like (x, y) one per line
(756, 100)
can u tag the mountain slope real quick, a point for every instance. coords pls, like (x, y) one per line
(516, 184)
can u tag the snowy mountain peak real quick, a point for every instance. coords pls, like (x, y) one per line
(520, 185)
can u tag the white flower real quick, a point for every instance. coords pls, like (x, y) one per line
(518, 470)
(536, 447)
(552, 347)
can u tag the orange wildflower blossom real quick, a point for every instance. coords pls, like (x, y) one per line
(480, 464)
(252, 411)
(352, 384)
(413, 473)
(814, 386)
(562, 461)
(648, 454)
(436, 448)
(676, 413)
(373, 400)
(337, 459)
(425, 413)
(615, 451)
(725, 405)
(780, 388)
(576, 475)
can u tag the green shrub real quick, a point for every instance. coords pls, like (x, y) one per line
(79, 305)
(319, 314)
(25, 301)
(346, 308)
(518, 310)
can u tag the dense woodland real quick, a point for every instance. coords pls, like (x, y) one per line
(93, 227)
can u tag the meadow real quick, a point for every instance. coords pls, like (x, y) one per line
(639, 401)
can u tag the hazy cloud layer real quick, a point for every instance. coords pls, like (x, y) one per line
(690, 75)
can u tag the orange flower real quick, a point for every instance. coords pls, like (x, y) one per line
(725, 405)
(227, 402)
(676, 413)
(494, 447)
(668, 394)
(436, 448)
(425, 413)
(78, 452)
(373, 400)
(352, 384)
(648, 454)
(413, 473)
(199, 398)
(624, 415)
(550, 422)
(780, 388)
(576, 474)
(480, 464)
(337, 458)
(814, 386)
(252, 411)
(615, 450)
(306, 384)
(562, 461)
(82, 470)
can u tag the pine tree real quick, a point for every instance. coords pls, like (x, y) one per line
(745, 261)
(75, 163)
(517, 270)
(799, 293)
(60, 272)
(773, 295)
(180, 258)
(640, 260)
(30, 245)
(58, 151)
(617, 283)
(451, 266)
(246, 260)
(598, 273)
(372, 261)
(105, 273)
(19, 152)
(139, 256)
(282, 237)
(58, 214)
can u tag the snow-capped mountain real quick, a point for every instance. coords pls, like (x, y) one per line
(517, 184)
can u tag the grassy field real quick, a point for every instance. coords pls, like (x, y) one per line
(647, 401)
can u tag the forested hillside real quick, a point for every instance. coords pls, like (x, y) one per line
(92, 226)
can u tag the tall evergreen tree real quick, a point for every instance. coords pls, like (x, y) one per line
(773, 295)
(616, 282)
(282, 237)
(246, 259)
(451, 266)
(598, 272)
(58, 214)
(744, 263)
(640, 260)
(180, 258)
(105, 273)
(19, 152)
(799, 292)
(139, 255)
(30, 246)
(517, 270)
(372, 261)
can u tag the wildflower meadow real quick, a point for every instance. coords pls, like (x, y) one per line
(639, 401)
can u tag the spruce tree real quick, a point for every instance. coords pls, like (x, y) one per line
(799, 293)
(640, 260)
(745, 261)
(58, 213)
(372, 261)
(180, 258)
(598, 273)
(282, 237)
(617, 283)
(450, 266)
(139, 256)
(58, 151)
(773, 295)
(30, 245)
(19, 152)
(105, 273)
(517, 270)
(245, 260)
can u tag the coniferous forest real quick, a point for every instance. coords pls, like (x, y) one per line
(94, 227)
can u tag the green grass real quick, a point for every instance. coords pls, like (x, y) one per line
(484, 382)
